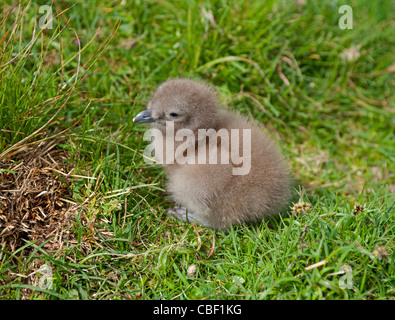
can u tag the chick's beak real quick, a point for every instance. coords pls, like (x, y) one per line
(144, 117)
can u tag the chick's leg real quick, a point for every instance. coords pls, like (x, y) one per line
(183, 214)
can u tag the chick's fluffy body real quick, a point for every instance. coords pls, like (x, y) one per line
(212, 192)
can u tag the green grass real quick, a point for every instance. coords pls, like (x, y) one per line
(335, 122)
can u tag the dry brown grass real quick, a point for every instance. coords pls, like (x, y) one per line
(35, 197)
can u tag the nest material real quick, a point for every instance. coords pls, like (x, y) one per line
(35, 197)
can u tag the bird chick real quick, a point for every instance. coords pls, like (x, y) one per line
(223, 169)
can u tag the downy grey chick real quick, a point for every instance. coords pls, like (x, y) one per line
(247, 187)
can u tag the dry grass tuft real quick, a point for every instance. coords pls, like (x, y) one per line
(35, 197)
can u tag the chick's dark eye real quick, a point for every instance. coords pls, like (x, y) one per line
(174, 115)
